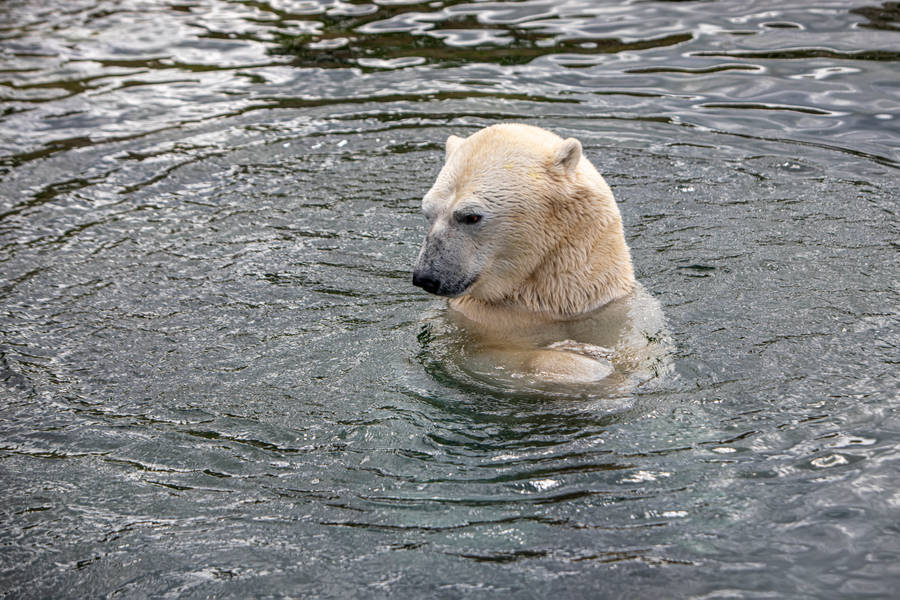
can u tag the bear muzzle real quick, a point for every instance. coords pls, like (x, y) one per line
(426, 282)
(439, 268)
(434, 285)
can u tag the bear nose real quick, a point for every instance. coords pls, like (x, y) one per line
(429, 284)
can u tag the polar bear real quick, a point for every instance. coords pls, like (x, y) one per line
(526, 240)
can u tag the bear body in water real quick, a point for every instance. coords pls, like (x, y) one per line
(526, 240)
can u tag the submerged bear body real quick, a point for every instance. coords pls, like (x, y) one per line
(526, 240)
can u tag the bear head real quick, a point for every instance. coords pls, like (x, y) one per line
(495, 210)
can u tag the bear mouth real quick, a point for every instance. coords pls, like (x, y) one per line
(457, 291)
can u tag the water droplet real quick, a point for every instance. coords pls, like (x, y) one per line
(675, 514)
(832, 460)
(543, 485)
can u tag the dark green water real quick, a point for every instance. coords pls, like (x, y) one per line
(214, 376)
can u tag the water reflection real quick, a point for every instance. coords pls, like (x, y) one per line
(886, 16)
(463, 33)
(213, 374)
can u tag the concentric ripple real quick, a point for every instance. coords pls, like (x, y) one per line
(218, 380)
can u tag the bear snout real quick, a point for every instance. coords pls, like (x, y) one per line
(426, 282)
(432, 283)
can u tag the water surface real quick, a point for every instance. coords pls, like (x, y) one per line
(215, 374)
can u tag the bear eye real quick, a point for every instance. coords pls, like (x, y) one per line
(469, 218)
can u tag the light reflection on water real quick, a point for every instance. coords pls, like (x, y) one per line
(211, 356)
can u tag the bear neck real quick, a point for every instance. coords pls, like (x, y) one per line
(586, 269)
(575, 279)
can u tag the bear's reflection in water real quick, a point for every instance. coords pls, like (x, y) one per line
(612, 350)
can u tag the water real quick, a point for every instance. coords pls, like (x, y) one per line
(217, 377)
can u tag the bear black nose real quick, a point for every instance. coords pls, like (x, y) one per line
(429, 284)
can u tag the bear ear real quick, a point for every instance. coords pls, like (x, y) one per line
(453, 142)
(568, 153)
